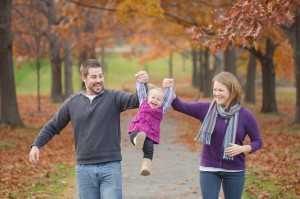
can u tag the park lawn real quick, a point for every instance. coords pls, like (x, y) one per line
(272, 172)
(20, 179)
(119, 74)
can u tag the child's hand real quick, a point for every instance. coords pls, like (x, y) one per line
(141, 76)
(168, 83)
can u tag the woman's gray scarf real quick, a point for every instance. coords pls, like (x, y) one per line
(209, 122)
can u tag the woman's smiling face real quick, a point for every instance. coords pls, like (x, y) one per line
(220, 93)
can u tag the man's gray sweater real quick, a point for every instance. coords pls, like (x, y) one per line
(96, 125)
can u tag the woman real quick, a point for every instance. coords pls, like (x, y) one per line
(225, 124)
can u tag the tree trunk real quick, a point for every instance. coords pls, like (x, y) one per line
(250, 82)
(103, 58)
(201, 70)
(230, 59)
(218, 65)
(195, 76)
(81, 58)
(199, 77)
(292, 32)
(268, 82)
(56, 76)
(68, 68)
(9, 114)
(207, 87)
(296, 47)
(55, 59)
(171, 65)
(38, 69)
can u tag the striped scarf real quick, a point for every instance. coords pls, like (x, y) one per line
(209, 122)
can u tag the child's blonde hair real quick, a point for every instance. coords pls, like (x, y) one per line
(152, 87)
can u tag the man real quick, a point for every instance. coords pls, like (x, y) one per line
(95, 116)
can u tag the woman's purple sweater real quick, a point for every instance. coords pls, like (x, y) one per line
(212, 155)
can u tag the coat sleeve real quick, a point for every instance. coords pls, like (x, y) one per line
(54, 126)
(168, 99)
(141, 91)
(253, 132)
(125, 101)
(194, 109)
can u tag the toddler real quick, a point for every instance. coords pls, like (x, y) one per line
(145, 127)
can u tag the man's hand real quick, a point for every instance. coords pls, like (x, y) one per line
(142, 76)
(34, 155)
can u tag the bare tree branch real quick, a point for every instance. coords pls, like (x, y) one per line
(92, 6)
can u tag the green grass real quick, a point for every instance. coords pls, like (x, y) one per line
(65, 172)
(26, 78)
(119, 73)
(59, 183)
(260, 187)
(265, 188)
(6, 144)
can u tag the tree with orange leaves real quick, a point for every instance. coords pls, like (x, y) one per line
(246, 24)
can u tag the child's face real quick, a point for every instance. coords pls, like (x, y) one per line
(155, 98)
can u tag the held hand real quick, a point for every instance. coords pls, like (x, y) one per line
(141, 76)
(168, 83)
(34, 155)
(234, 150)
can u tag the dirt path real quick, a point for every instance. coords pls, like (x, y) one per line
(174, 173)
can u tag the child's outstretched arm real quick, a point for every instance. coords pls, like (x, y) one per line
(169, 94)
(141, 87)
(169, 83)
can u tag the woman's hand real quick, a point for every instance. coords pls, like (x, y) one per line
(168, 83)
(235, 149)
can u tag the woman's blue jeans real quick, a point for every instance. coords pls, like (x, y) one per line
(99, 181)
(232, 183)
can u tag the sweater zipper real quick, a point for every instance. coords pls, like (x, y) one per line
(91, 101)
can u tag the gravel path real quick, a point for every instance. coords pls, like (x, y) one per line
(174, 173)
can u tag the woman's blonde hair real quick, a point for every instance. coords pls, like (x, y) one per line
(233, 86)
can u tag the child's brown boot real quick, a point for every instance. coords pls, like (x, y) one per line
(139, 140)
(145, 171)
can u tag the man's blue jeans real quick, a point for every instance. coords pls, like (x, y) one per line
(99, 181)
(232, 183)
